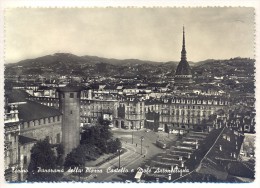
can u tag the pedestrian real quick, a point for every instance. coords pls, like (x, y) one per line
(136, 145)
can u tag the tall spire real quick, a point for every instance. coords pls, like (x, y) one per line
(183, 51)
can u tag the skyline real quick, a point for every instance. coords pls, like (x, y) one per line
(153, 34)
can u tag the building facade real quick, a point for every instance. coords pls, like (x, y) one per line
(25, 123)
(185, 112)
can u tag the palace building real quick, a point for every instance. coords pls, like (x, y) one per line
(25, 123)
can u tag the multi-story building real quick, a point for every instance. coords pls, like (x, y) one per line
(183, 112)
(134, 114)
(92, 109)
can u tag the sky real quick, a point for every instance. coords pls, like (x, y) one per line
(129, 33)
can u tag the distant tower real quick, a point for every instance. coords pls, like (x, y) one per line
(183, 74)
(69, 104)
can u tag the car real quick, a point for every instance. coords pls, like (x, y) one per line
(147, 130)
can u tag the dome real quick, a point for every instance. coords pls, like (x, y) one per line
(183, 68)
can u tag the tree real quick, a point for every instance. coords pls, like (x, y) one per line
(76, 158)
(98, 136)
(114, 145)
(60, 153)
(104, 128)
(42, 156)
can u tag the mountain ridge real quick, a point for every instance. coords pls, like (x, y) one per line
(70, 64)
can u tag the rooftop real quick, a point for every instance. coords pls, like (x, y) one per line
(33, 110)
(70, 88)
(183, 68)
(25, 140)
(15, 96)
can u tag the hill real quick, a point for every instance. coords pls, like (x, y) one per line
(68, 64)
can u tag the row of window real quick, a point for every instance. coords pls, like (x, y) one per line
(72, 95)
(184, 112)
(56, 141)
(179, 107)
(44, 99)
(187, 121)
(197, 102)
(50, 104)
(95, 107)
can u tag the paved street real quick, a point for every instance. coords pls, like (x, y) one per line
(132, 158)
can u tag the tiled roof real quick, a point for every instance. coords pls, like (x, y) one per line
(44, 88)
(228, 147)
(33, 110)
(94, 86)
(70, 88)
(16, 95)
(130, 87)
(110, 87)
(238, 168)
(158, 84)
(26, 140)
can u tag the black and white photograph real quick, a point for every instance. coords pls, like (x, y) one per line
(129, 95)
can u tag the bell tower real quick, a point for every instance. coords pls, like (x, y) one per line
(69, 104)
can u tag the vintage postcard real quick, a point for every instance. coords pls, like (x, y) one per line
(130, 95)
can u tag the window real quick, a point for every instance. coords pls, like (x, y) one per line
(25, 160)
(78, 95)
(58, 138)
(71, 95)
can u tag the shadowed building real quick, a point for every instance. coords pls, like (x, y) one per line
(25, 122)
(183, 75)
(69, 98)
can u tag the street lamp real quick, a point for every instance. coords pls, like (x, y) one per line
(132, 136)
(119, 151)
(142, 138)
